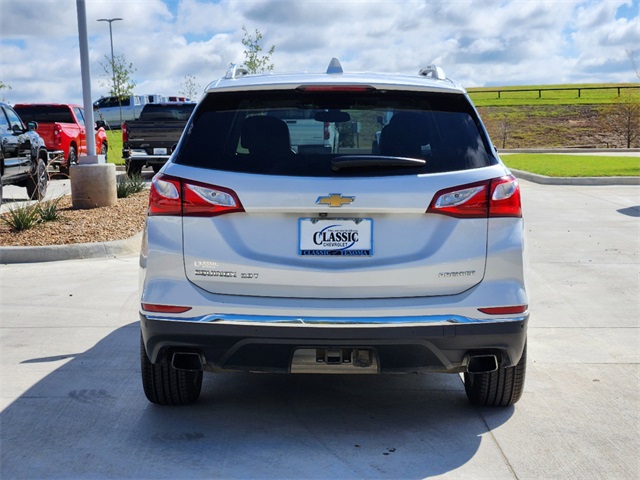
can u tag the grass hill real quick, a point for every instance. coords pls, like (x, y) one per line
(554, 115)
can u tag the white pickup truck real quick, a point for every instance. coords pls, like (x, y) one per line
(108, 108)
(309, 134)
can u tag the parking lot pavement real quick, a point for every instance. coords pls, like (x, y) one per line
(13, 196)
(73, 407)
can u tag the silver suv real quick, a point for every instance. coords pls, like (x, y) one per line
(397, 249)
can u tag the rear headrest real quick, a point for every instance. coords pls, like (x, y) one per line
(404, 136)
(265, 135)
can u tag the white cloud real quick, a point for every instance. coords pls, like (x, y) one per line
(477, 41)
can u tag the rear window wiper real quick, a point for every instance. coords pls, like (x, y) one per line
(374, 161)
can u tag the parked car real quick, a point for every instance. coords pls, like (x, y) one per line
(108, 109)
(408, 260)
(63, 129)
(150, 140)
(23, 155)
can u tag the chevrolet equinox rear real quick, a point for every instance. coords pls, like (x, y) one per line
(396, 247)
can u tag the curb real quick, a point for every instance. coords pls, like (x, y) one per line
(54, 253)
(534, 177)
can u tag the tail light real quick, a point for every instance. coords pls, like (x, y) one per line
(498, 197)
(125, 132)
(57, 134)
(327, 135)
(186, 198)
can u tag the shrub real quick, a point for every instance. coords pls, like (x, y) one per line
(48, 211)
(22, 218)
(127, 186)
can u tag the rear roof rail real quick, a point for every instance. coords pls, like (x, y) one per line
(236, 71)
(434, 72)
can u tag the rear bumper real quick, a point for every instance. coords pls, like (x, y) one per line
(401, 344)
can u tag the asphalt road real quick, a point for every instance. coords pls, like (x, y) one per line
(73, 407)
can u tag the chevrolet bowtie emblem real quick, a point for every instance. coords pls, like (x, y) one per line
(335, 200)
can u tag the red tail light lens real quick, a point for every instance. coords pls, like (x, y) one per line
(498, 197)
(327, 135)
(125, 132)
(175, 196)
(505, 197)
(57, 134)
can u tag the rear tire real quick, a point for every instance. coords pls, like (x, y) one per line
(37, 182)
(134, 169)
(165, 385)
(105, 151)
(72, 159)
(501, 388)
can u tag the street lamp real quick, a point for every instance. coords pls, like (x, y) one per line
(113, 64)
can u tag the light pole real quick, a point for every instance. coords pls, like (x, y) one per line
(113, 63)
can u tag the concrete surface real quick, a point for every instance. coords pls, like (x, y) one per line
(73, 407)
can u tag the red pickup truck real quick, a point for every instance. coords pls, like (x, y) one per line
(63, 130)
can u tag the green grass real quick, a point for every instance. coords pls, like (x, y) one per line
(553, 165)
(509, 96)
(114, 137)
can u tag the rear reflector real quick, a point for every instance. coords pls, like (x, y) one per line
(153, 307)
(187, 198)
(513, 309)
(498, 197)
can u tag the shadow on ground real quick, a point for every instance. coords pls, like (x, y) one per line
(90, 419)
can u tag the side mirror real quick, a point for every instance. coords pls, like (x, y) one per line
(32, 125)
(100, 124)
(17, 129)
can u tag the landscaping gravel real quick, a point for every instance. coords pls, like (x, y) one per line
(104, 224)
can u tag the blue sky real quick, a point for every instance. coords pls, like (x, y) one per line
(477, 42)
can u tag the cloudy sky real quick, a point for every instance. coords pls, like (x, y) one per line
(477, 42)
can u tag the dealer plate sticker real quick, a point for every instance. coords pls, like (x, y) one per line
(159, 151)
(336, 236)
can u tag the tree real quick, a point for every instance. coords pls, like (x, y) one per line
(4, 86)
(633, 58)
(255, 62)
(117, 78)
(190, 88)
(622, 118)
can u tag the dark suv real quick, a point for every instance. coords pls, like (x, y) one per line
(23, 156)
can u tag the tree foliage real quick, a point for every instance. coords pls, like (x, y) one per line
(254, 60)
(117, 76)
(4, 86)
(190, 88)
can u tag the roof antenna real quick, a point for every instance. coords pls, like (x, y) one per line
(334, 67)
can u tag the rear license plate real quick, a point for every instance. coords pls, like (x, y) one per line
(336, 236)
(159, 151)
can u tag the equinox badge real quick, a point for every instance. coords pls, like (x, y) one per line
(335, 200)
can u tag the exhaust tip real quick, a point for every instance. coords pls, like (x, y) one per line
(482, 364)
(187, 361)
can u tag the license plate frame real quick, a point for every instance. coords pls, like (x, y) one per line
(343, 237)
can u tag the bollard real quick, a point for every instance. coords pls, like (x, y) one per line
(93, 184)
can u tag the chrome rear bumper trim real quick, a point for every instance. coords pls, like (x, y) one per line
(333, 322)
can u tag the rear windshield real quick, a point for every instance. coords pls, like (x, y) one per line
(300, 133)
(45, 113)
(164, 112)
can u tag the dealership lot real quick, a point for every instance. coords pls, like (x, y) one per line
(73, 406)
